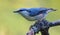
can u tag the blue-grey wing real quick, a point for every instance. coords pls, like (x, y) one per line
(37, 11)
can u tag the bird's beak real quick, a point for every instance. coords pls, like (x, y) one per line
(15, 11)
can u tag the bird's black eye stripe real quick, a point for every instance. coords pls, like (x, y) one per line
(20, 10)
(25, 10)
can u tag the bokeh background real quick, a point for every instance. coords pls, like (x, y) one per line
(15, 24)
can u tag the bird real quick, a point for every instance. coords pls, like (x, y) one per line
(32, 14)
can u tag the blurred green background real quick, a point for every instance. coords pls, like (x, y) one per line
(15, 24)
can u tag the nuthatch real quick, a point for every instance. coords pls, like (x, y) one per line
(34, 13)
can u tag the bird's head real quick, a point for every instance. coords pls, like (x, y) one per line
(20, 10)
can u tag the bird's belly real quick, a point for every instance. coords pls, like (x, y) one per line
(40, 16)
